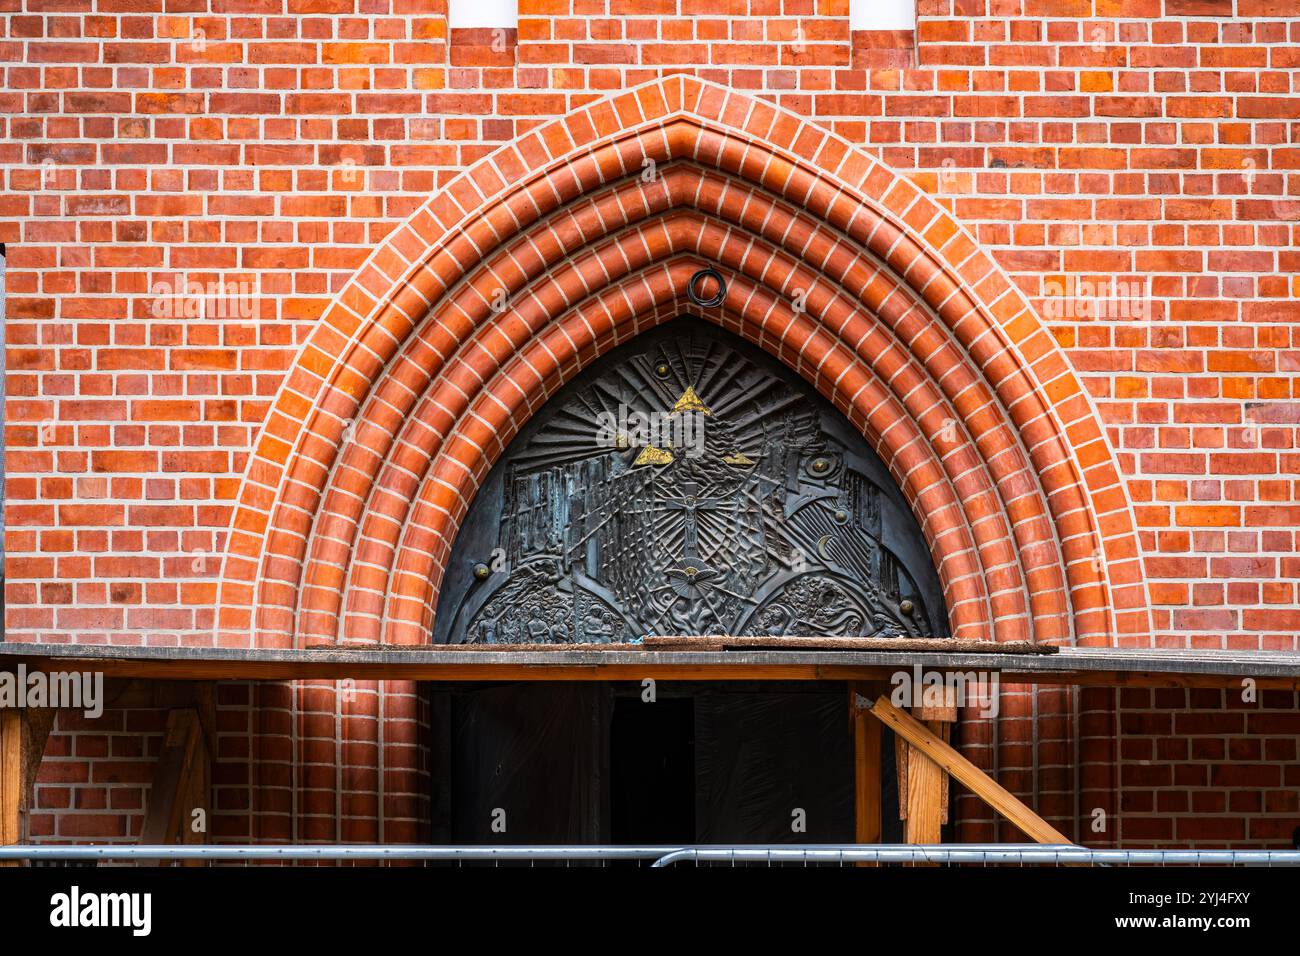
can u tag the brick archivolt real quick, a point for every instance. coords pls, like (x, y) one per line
(585, 232)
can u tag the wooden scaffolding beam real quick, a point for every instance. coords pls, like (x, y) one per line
(1070, 666)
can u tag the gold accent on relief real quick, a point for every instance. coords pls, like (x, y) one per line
(690, 402)
(650, 455)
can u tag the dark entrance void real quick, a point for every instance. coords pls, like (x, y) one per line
(652, 771)
(532, 763)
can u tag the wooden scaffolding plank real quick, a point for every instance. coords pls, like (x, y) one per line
(949, 644)
(1077, 666)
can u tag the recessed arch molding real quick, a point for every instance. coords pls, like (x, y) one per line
(587, 231)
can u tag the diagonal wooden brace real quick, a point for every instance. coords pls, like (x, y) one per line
(922, 792)
(180, 783)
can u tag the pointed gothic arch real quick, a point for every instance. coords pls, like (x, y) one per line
(585, 231)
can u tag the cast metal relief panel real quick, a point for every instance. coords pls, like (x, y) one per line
(687, 484)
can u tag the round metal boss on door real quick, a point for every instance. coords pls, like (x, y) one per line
(696, 285)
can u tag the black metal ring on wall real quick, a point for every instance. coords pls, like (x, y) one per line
(695, 297)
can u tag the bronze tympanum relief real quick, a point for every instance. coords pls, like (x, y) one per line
(687, 484)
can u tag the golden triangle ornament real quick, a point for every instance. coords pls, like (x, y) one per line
(690, 402)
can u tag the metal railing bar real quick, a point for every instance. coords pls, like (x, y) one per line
(330, 852)
(664, 856)
(1062, 854)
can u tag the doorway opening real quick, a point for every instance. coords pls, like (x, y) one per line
(631, 764)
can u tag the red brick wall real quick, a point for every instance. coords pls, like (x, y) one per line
(1205, 768)
(274, 146)
(1145, 768)
(95, 777)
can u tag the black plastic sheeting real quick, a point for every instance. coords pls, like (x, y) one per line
(531, 763)
(527, 757)
(760, 759)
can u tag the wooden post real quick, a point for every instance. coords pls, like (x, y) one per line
(922, 784)
(866, 765)
(11, 778)
(23, 733)
(923, 800)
